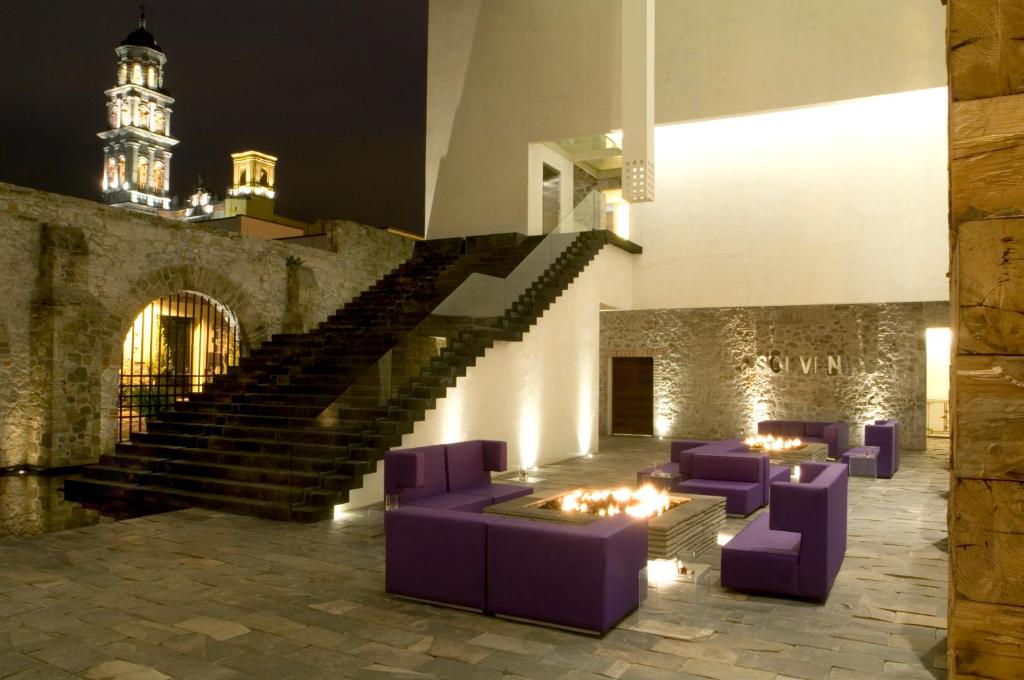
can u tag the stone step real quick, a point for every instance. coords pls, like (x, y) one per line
(290, 477)
(284, 447)
(112, 494)
(279, 493)
(310, 463)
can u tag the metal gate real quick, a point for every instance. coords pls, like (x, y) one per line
(174, 347)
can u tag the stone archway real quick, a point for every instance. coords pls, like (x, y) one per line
(149, 287)
(173, 348)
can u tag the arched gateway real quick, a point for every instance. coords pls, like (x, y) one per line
(175, 346)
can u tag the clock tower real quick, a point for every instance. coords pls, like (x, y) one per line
(137, 145)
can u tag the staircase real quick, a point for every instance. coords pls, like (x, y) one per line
(290, 430)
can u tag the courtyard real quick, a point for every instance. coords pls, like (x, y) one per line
(202, 594)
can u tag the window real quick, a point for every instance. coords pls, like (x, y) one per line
(143, 173)
(159, 122)
(114, 114)
(122, 73)
(242, 178)
(126, 114)
(263, 178)
(158, 176)
(151, 77)
(120, 169)
(137, 74)
(144, 116)
(111, 172)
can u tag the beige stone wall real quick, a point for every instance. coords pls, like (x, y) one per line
(74, 274)
(715, 375)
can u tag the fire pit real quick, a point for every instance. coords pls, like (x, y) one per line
(647, 501)
(787, 451)
(769, 442)
(676, 524)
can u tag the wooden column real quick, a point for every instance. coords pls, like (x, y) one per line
(986, 503)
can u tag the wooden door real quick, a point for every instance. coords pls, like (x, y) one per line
(633, 395)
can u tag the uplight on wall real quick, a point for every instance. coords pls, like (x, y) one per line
(661, 426)
(529, 437)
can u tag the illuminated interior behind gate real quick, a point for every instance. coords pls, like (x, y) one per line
(174, 347)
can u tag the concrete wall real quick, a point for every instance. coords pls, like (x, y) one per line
(838, 203)
(74, 275)
(715, 376)
(502, 74)
(541, 394)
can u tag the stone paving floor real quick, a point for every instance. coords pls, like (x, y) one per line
(200, 594)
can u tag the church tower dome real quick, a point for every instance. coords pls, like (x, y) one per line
(137, 145)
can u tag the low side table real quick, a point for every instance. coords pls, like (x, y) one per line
(862, 461)
(666, 481)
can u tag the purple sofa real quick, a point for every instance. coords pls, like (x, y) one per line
(798, 546)
(723, 468)
(583, 577)
(885, 434)
(836, 435)
(450, 476)
(741, 477)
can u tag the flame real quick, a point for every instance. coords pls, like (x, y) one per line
(647, 501)
(768, 442)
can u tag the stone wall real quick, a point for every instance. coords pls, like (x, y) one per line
(74, 274)
(718, 371)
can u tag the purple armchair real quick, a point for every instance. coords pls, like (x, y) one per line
(449, 476)
(798, 546)
(885, 434)
(742, 478)
(836, 435)
(580, 577)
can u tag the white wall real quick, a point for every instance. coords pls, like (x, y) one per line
(503, 74)
(541, 155)
(838, 203)
(541, 394)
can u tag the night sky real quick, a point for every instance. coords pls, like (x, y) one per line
(335, 88)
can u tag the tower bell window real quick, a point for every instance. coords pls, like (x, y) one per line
(121, 169)
(143, 181)
(137, 74)
(158, 176)
(122, 73)
(151, 77)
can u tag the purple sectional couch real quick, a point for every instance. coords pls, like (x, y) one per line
(798, 546)
(885, 434)
(836, 435)
(440, 546)
(723, 468)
